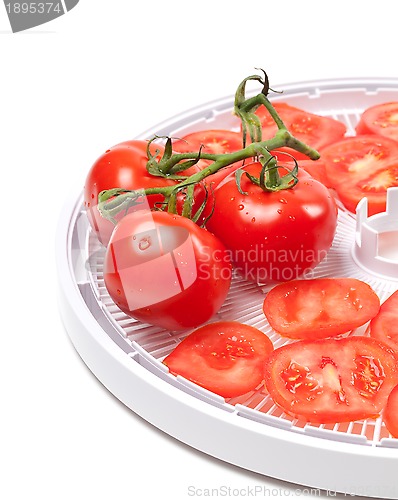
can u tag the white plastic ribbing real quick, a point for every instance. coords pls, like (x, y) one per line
(376, 238)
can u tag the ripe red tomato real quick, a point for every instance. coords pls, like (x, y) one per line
(362, 166)
(164, 270)
(274, 236)
(381, 119)
(332, 380)
(390, 413)
(122, 166)
(320, 308)
(384, 326)
(315, 130)
(215, 141)
(226, 358)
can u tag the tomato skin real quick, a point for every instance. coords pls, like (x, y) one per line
(164, 270)
(332, 380)
(384, 326)
(124, 166)
(381, 119)
(225, 357)
(214, 141)
(274, 236)
(320, 308)
(390, 413)
(121, 166)
(362, 166)
(315, 130)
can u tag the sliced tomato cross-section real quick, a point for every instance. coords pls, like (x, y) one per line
(225, 357)
(363, 166)
(330, 381)
(320, 308)
(381, 119)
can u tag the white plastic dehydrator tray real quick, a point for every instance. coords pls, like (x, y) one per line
(357, 458)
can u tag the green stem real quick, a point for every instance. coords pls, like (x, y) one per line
(170, 165)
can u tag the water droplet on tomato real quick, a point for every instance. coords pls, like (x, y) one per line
(118, 291)
(253, 219)
(292, 217)
(92, 196)
(279, 210)
(282, 200)
(241, 207)
(144, 244)
(233, 197)
(107, 151)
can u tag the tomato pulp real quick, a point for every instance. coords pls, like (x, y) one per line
(320, 308)
(390, 413)
(332, 380)
(363, 166)
(384, 326)
(381, 119)
(225, 357)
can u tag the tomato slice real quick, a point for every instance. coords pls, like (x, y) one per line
(384, 326)
(315, 130)
(390, 413)
(225, 357)
(381, 119)
(215, 141)
(374, 188)
(320, 308)
(332, 380)
(363, 166)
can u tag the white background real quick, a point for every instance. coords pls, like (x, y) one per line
(104, 73)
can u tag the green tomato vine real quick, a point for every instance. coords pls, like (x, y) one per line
(172, 165)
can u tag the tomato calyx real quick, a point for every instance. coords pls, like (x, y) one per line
(174, 165)
(170, 165)
(269, 178)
